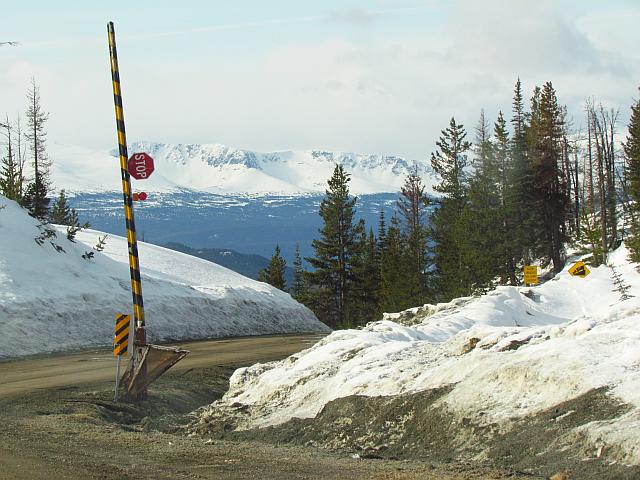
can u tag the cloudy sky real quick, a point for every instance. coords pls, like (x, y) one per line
(377, 76)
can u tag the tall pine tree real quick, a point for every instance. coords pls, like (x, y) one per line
(631, 150)
(395, 294)
(35, 197)
(363, 302)
(544, 137)
(412, 204)
(330, 280)
(454, 278)
(525, 215)
(449, 162)
(509, 252)
(10, 171)
(481, 218)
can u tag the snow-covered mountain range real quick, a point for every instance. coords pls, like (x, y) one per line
(215, 196)
(221, 169)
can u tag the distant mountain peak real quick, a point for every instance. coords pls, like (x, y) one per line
(222, 169)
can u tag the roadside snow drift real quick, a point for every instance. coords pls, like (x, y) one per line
(505, 355)
(53, 299)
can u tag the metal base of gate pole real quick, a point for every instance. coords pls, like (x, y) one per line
(152, 363)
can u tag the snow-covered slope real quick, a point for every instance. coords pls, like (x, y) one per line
(221, 169)
(505, 355)
(52, 300)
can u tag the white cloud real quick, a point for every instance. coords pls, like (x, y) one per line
(354, 16)
(369, 93)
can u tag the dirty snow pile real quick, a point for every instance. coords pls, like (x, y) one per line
(53, 299)
(513, 352)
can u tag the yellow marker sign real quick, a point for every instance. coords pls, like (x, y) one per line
(530, 274)
(579, 269)
(121, 336)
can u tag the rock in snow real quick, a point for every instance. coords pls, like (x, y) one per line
(54, 300)
(506, 355)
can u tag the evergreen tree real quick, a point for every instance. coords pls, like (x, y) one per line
(9, 180)
(299, 290)
(519, 124)
(395, 294)
(413, 203)
(447, 226)
(450, 161)
(631, 150)
(363, 298)
(488, 247)
(329, 282)
(482, 215)
(525, 217)
(62, 214)
(591, 236)
(372, 277)
(632, 242)
(382, 233)
(61, 211)
(509, 251)
(275, 271)
(544, 137)
(484, 160)
(10, 172)
(35, 197)
(74, 226)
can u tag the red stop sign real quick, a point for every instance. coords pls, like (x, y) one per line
(140, 166)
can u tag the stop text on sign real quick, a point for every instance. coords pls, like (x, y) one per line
(140, 166)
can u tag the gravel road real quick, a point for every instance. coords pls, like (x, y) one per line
(58, 421)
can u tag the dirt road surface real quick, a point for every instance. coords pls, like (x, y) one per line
(58, 421)
(52, 371)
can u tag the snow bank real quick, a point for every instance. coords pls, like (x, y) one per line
(52, 300)
(508, 354)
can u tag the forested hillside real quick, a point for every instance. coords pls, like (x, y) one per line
(514, 192)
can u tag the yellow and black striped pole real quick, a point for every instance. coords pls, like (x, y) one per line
(134, 263)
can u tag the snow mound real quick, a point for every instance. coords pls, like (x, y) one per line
(52, 299)
(506, 355)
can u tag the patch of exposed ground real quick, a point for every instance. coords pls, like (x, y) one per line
(416, 426)
(79, 432)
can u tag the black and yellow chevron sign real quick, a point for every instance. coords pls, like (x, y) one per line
(579, 269)
(121, 337)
